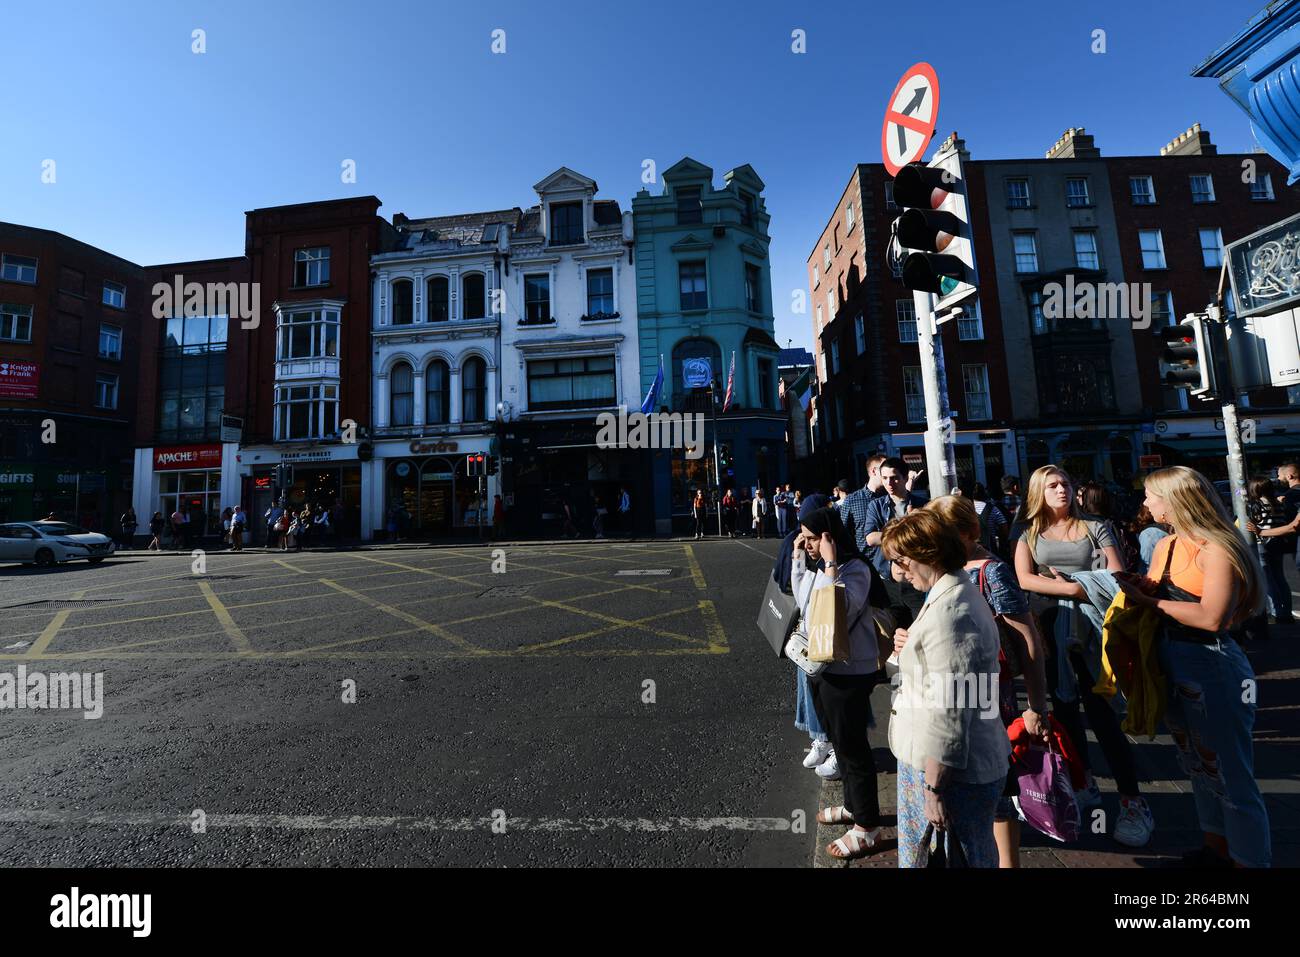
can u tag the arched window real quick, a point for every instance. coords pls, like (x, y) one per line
(438, 289)
(437, 393)
(402, 382)
(473, 386)
(402, 302)
(473, 297)
(691, 349)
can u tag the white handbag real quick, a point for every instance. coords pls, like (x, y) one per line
(796, 649)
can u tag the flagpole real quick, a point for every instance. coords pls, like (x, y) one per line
(717, 468)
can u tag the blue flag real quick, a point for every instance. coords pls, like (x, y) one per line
(652, 397)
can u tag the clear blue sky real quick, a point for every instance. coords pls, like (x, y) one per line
(160, 151)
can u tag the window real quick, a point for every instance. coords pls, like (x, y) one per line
(1017, 194)
(566, 224)
(1202, 189)
(437, 393)
(473, 292)
(537, 299)
(306, 411)
(114, 294)
(403, 302)
(817, 275)
(849, 219)
(473, 390)
(600, 293)
(192, 378)
(311, 267)
(835, 358)
(830, 305)
(438, 299)
(689, 208)
(821, 366)
(913, 394)
(975, 380)
(820, 321)
(1076, 192)
(826, 257)
(18, 268)
(312, 334)
(15, 322)
(753, 287)
(106, 391)
(765, 384)
(746, 208)
(694, 286)
(1162, 308)
(970, 327)
(110, 341)
(1036, 316)
(906, 312)
(1262, 189)
(836, 234)
(401, 395)
(1211, 247)
(1153, 249)
(578, 383)
(860, 333)
(1026, 247)
(1142, 190)
(1085, 249)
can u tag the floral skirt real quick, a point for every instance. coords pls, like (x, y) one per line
(969, 809)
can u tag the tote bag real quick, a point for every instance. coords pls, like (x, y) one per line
(828, 626)
(777, 616)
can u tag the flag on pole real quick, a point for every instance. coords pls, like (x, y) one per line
(652, 397)
(731, 383)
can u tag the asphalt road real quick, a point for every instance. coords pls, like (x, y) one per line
(500, 717)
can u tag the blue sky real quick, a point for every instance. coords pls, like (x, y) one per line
(160, 151)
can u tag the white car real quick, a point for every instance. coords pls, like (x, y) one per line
(48, 543)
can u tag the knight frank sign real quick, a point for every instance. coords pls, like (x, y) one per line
(1265, 269)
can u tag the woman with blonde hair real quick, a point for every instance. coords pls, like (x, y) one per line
(1055, 541)
(1204, 579)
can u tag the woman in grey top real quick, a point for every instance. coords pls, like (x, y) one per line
(826, 555)
(1055, 540)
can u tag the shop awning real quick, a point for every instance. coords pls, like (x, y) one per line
(1219, 445)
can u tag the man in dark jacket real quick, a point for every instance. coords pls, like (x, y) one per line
(904, 600)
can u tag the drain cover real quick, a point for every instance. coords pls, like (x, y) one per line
(507, 591)
(67, 603)
(209, 578)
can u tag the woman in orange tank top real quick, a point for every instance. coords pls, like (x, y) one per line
(1204, 579)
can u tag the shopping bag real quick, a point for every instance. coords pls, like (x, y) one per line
(777, 616)
(942, 852)
(828, 626)
(1046, 794)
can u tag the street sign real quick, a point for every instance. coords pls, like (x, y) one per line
(232, 428)
(697, 373)
(1265, 268)
(910, 115)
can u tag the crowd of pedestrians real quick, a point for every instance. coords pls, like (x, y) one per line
(1041, 596)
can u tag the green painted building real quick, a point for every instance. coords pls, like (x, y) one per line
(704, 292)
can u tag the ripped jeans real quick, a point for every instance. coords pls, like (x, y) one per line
(1211, 714)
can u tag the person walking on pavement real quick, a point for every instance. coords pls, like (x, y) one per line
(238, 522)
(129, 524)
(700, 512)
(272, 517)
(1275, 543)
(624, 512)
(759, 510)
(779, 507)
(156, 526)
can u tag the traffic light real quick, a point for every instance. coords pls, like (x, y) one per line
(724, 456)
(1186, 357)
(493, 464)
(934, 228)
(283, 476)
(475, 464)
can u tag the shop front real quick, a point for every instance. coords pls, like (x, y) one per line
(983, 457)
(190, 479)
(322, 478)
(427, 490)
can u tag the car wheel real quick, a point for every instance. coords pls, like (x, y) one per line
(45, 558)
(95, 561)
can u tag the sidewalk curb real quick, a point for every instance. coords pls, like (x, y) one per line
(415, 546)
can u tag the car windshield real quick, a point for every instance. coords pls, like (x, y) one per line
(60, 528)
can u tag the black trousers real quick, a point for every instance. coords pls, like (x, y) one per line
(843, 705)
(904, 600)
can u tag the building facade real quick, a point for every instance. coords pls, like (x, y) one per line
(705, 293)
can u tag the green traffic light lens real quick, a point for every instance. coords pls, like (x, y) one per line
(947, 285)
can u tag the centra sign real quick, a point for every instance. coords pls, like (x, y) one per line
(1265, 268)
(433, 448)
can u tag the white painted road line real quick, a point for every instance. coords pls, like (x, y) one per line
(345, 822)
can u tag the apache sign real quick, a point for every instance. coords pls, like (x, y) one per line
(1265, 268)
(910, 117)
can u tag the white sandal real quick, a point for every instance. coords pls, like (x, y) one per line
(835, 815)
(854, 844)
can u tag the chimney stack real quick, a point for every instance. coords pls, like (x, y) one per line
(1075, 143)
(1195, 142)
(400, 220)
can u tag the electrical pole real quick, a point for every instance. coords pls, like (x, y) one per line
(940, 455)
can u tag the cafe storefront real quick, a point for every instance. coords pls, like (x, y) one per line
(196, 480)
(426, 490)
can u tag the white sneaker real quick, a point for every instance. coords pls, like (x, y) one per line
(818, 753)
(830, 768)
(1135, 823)
(1088, 797)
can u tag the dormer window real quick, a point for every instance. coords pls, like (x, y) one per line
(689, 207)
(566, 224)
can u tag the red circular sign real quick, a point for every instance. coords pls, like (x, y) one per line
(910, 117)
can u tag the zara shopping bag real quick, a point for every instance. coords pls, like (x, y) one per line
(828, 626)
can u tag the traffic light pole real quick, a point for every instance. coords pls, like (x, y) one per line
(940, 455)
(1236, 466)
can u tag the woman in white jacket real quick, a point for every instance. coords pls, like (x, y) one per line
(945, 727)
(842, 692)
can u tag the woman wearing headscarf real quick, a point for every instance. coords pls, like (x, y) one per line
(825, 555)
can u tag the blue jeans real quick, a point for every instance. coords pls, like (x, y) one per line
(805, 715)
(1211, 724)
